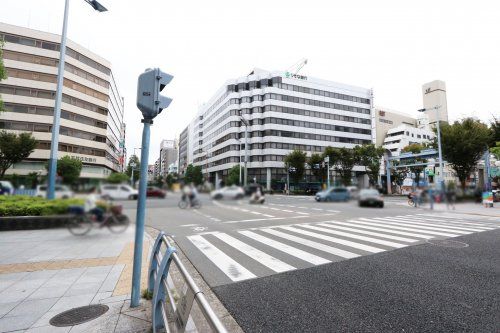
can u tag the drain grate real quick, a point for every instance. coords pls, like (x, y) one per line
(77, 316)
(447, 243)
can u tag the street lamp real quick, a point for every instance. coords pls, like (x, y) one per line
(246, 123)
(441, 179)
(239, 153)
(133, 165)
(54, 147)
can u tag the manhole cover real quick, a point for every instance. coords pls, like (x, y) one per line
(447, 243)
(77, 316)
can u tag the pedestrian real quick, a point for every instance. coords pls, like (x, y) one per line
(450, 198)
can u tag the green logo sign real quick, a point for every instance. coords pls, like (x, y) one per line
(287, 74)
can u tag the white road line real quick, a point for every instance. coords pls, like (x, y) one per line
(378, 234)
(214, 219)
(333, 211)
(261, 257)
(189, 225)
(378, 227)
(226, 264)
(405, 227)
(267, 215)
(302, 213)
(334, 240)
(358, 237)
(403, 222)
(303, 255)
(286, 210)
(317, 208)
(430, 222)
(457, 220)
(315, 245)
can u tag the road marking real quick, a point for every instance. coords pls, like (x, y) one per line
(333, 239)
(358, 237)
(400, 226)
(402, 239)
(317, 208)
(403, 222)
(303, 255)
(379, 227)
(226, 264)
(301, 213)
(430, 222)
(286, 210)
(461, 220)
(189, 225)
(263, 258)
(316, 245)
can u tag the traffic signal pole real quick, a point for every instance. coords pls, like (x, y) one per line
(141, 212)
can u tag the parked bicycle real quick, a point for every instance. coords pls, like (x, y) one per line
(82, 222)
(185, 202)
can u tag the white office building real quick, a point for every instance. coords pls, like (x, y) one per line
(91, 129)
(284, 111)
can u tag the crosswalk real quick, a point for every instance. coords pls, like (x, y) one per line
(249, 253)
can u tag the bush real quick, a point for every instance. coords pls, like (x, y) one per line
(19, 205)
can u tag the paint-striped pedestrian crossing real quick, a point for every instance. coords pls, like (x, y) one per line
(245, 254)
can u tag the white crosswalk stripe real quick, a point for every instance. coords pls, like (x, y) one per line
(230, 267)
(313, 259)
(265, 259)
(282, 248)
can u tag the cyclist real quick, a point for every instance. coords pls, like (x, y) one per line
(90, 206)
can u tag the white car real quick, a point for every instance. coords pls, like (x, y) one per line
(61, 192)
(118, 191)
(7, 186)
(230, 192)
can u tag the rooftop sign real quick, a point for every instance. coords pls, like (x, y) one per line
(289, 75)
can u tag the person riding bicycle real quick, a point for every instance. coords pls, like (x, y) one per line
(91, 207)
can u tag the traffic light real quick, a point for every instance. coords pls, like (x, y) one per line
(149, 86)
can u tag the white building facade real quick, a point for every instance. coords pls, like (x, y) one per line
(284, 112)
(92, 128)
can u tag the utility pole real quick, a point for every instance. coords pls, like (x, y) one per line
(327, 161)
(246, 123)
(151, 103)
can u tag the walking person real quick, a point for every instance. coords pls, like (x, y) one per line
(450, 198)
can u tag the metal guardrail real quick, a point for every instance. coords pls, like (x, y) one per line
(168, 314)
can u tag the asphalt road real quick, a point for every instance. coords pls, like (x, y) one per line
(296, 265)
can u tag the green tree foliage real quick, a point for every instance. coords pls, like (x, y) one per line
(171, 179)
(69, 169)
(398, 175)
(233, 177)
(463, 144)
(495, 132)
(315, 162)
(3, 72)
(496, 150)
(14, 148)
(117, 178)
(137, 168)
(370, 155)
(193, 174)
(343, 159)
(297, 160)
(415, 148)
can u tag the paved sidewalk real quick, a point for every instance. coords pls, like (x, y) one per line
(46, 272)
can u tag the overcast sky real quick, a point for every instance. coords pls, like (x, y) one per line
(391, 46)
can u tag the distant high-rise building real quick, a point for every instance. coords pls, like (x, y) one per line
(168, 155)
(434, 94)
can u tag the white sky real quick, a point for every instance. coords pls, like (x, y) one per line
(391, 46)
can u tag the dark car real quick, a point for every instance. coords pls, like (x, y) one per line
(370, 197)
(155, 192)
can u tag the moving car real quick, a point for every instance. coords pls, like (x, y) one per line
(61, 192)
(333, 194)
(353, 192)
(156, 192)
(229, 192)
(118, 191)
(370, 197)
(6, 188)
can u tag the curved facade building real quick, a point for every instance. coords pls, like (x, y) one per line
(285, 112)
(92, 128)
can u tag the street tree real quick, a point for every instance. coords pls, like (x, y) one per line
(370, 156)
(398, 175)
(315, 162)
(137, 168)
(193, 175)
(343, 160)
(463, 144)
(296, 160)
(415, 148)
(171, 179)
(69, 169)
(495, 132)
(117, 178)
(3, 72)
(233, 176)
(14, 148)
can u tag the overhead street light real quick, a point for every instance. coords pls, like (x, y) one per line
(54, 146)
(441, 174)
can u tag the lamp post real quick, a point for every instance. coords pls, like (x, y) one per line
(54, 147)
(327, 161)
(441, 179)
(133, 165)
(245, 122)
(239, 153)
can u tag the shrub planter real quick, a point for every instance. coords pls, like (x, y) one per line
(32, 222)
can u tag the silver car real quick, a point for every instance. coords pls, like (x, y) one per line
(370, 197)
